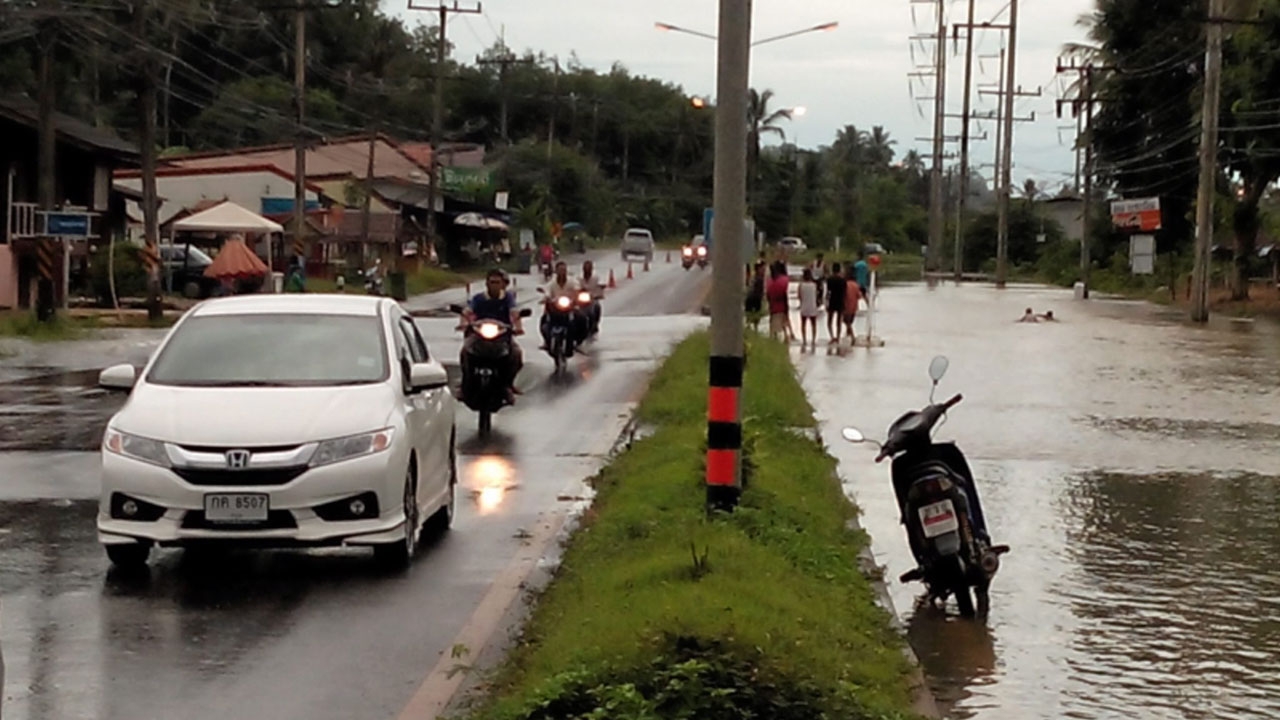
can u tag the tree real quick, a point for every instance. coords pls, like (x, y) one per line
(761, 120)
(1251, 134)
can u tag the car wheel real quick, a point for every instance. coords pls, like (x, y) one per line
(398, 555)
(440, 523)
(132, 556)
(191, 290)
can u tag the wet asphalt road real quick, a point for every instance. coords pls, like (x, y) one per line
(287, 635)
(1132, 461)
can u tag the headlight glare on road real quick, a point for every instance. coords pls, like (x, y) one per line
(489, 331)
(138, 448)
(339, 449)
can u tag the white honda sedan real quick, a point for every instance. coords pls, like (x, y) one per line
(280, 421)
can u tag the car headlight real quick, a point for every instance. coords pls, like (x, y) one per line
(138, 448)
(489, 331)
(563, 302)
(353, 446)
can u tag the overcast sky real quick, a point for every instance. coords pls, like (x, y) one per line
(857, 74)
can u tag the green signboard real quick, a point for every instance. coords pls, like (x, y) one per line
(466, 179)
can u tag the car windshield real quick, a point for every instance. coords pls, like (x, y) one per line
(273, 351)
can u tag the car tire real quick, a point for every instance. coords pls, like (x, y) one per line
(439, 523)
(398, 555)
(191, 290)
(131, 556)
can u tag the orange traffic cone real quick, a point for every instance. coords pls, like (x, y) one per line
(613, 284)
(630, 275)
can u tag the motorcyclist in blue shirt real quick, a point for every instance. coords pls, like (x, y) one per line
(496, 303)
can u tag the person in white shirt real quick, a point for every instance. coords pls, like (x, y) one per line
(808, 292)
(594, 285)
(560, 285)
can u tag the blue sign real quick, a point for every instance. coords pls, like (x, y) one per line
(284, 206)
(67, 224)
(708, 215)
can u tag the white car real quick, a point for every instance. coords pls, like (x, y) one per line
(792, 244)
(280, 420)
(637, 241)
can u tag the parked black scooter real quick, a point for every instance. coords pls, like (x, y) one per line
(940, 506)
(487, 349)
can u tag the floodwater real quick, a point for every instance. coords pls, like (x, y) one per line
(1132, 460)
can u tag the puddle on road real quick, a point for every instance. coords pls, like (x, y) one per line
(1189, 429)
(55, 411)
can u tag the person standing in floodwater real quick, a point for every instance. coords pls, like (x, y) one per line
(808, 292)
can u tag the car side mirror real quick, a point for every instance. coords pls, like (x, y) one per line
(118, 377)
(427, 376)
(526, 312)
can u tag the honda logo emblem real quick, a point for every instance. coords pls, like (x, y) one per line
(238, 459)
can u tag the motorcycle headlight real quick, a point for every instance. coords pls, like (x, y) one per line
(584, 298)
(563, 302)
(702, 251)
(138, 448)
(688, 252)
(353, 446)
(489, 331)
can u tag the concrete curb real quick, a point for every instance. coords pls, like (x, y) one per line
(922, 701)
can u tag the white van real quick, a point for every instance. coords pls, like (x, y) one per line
(637, 241)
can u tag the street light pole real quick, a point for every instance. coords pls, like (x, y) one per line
(724, 407)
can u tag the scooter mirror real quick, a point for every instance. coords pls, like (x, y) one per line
(853, 435)
(938, 368)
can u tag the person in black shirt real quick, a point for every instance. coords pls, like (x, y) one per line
(835, 302)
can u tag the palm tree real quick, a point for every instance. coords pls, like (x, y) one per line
(761, 120)
(880, 148)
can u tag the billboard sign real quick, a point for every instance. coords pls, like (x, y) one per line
(1142, 214)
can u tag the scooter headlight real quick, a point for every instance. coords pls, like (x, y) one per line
(489, 331)
(563, 302)
(688, 252)
(584, 298)
(702, 251)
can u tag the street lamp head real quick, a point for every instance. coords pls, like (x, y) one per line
(828, 27)
(799, 111)
(664, 27)
(697, 102)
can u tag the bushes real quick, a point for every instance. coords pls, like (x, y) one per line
(131, 277)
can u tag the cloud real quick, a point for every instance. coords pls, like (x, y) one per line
(856, 75)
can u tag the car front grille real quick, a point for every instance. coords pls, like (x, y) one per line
(276, 520)
(233, 478)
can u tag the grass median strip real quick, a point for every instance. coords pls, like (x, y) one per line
(659, 612)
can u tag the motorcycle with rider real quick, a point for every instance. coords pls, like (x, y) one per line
(490, 358)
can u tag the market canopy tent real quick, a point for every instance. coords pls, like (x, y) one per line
(227, 217)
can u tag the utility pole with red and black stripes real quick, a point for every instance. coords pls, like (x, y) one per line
(724, 397)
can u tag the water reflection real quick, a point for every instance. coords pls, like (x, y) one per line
(489, 479)
(1131, 461)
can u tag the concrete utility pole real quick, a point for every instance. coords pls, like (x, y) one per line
(1208, 162)
(299, 140)
(936, 201)
(47, 38)
(962, 199)
(1002, 245)
(724, 406)
(437, 112)
(147, 150)
(1082, 107)
(504, 62)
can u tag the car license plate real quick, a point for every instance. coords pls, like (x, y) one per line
(236, 508)
(938, 519)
